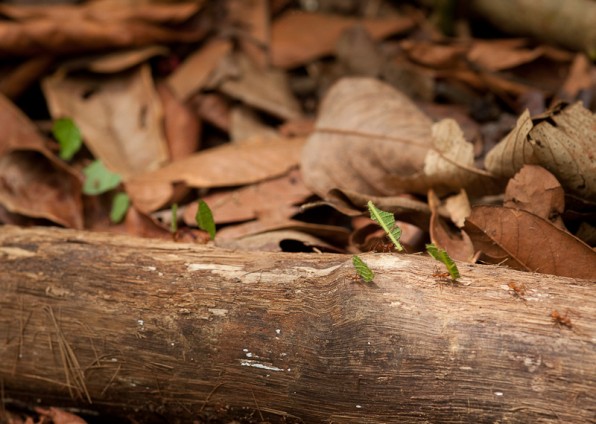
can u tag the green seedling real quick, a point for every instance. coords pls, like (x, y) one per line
(174, 221)
(98, 179)
(68, 136)
(442, 256)
(204, 219)
(120, 205)
(387, 222)
(362, 269)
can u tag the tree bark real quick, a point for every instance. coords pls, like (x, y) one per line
(113, 323)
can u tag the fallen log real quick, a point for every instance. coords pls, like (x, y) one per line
(118, 324)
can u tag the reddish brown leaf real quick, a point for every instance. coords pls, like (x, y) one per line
(537, 191)
(33, 182)
(181, 125)
(525, 241)
(299, 37)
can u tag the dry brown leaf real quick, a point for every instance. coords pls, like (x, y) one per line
(514, 151)
(449, 165)
(181, 126)
(582, 76)
(246, 123)
(277, 241)
(299, 37)
(333, 234)
(525, 241)
(33, 182)
(251, 19)
(565, 144)
(537, 191)
(267, 90)
(228, 165)
(457, 208)
(213, 108)
(59, 416)
(120, 117)
(434, 55)
(371, 139)
(496, 55)
(253, 201)
(194, 72)
(60, 29)
(457, 243)
(109, 63)
(368, 138)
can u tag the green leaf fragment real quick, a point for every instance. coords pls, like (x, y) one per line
(120, 205)
(387, 222)
(174, 221)
(442, 256)
(98, 179)
(68, 136)
(362, 269)
(204, 218)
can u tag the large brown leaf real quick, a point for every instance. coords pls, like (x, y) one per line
(525, 241)
(371, 139)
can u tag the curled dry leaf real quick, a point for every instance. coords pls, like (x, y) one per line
(445, 236)
(277, 241)
(371, 139)
(562, 141)
(33, 182)
(525, 241)
(120, 117)
(565, 144)
(228, 165)
(537, 191)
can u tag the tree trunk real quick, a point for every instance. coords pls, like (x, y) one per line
(113, 323)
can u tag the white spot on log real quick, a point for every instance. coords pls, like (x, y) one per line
(278, 331)
(392, 262)
(255, 364)
(465, 368)
(249, 354)
(498, 393)
(212, 267)
(151, 268)
(358, 406)
(244, 350)
(141, 322)
(11, 253)
(218, 312)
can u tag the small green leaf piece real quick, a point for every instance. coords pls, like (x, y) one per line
(120, 204)
(442, 256)
(68, 136)
(387, 222)
(204, 219)
(98, 179)
(362, 269)
(174, 221)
